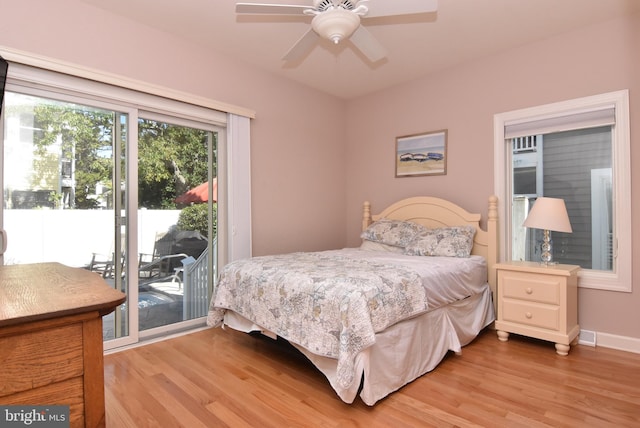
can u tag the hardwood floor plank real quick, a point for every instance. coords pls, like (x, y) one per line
(223, 378)
(135, 396)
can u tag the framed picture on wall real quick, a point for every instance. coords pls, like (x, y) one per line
(421, 154)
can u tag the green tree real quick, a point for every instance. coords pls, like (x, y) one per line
(194, 217)
(83, 134)
(171, 160)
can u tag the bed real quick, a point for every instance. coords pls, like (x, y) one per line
(375, 317)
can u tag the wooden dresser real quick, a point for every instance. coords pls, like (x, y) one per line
(51, 349)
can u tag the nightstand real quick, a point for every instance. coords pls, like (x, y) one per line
(538, 301)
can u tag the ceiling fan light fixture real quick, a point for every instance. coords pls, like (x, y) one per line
(335, 24)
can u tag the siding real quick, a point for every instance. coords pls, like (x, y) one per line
(569, 158)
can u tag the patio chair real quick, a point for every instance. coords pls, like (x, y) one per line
(163, 261)
(102, 265)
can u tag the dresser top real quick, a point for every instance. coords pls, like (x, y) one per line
(48, 290)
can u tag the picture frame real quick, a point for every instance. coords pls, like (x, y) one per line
(422, 154)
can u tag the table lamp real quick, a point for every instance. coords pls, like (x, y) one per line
(548, 214)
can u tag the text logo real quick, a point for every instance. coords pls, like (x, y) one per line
(34, 416)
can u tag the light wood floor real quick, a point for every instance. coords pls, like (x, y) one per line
(219, 378)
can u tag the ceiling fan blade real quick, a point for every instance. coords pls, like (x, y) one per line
(302, 47)
(367, 44)
(273, 9)
(398, 7)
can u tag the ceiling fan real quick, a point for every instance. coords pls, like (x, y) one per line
(337, 20)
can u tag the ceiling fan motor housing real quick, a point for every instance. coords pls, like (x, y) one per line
(322, 5)
(335, 24)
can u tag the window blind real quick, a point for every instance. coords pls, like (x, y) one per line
(575, 120)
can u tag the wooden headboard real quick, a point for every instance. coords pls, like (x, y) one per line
(435, 212)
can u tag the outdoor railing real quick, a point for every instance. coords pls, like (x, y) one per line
(195, 301)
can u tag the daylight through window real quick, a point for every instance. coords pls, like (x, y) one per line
(577, 151)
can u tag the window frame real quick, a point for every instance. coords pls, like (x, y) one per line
(619, 279)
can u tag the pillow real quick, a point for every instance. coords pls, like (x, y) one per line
(455, 241)
(378, 246)
(392, 232)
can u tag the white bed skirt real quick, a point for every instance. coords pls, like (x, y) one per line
(404, 351)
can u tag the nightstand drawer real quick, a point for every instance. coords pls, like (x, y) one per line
(534, 315)
(530, 287)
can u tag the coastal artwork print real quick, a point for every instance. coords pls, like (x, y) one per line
(422, 154)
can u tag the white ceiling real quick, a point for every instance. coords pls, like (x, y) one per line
(461, 30)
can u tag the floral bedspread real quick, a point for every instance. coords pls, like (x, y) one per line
(324, 301)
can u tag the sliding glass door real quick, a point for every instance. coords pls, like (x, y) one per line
(129, 195)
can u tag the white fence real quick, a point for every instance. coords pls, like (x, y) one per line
(72, 236)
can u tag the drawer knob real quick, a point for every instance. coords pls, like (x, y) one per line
(528, 290)
(528, 315)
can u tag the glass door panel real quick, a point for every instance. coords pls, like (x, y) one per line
(177, 198)
(60, 200)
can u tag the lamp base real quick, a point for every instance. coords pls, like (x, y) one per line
(546, 256)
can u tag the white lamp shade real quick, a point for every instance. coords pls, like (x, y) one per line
(549, 214)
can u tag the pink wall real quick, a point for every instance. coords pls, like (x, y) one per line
(298, 169)
(308, 179)
(464, 99)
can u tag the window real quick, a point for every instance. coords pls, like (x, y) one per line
(579, 151)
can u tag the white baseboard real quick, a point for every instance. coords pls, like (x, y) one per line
(613, 341)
